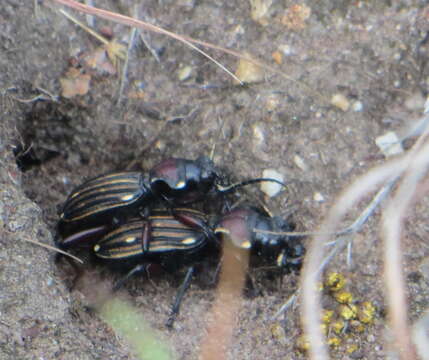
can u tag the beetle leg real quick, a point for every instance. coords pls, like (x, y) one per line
(178, 300)
(135, 270)
(81, 236)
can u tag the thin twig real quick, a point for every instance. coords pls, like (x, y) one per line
(353, 228)
(125, 66)
(151, 50)
(86, 28)
(49, 247)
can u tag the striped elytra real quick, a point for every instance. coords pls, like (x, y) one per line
(167, 235)
(105, 194)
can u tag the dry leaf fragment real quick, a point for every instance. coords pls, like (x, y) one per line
(98, 60)
(74, 83)
(249, 72)
(340, 101)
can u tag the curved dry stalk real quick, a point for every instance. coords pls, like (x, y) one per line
(392, 224)
(49, 247)
(310, 296)
(366, 183)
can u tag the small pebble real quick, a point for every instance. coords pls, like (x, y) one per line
(299, 161)
(389, 144)
(286, 50)
(258, 135)
(357, 106)
(340, 101)
(271, 188)
(397, 56)
(317, 196)
(65, 180)
(415, 102)
(249, 72)
(184, 73)
(272, 102)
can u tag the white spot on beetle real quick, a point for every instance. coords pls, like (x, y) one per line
(188, 241)
(127, 197)
(130, 239)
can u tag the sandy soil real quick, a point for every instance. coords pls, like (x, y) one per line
(372, 53)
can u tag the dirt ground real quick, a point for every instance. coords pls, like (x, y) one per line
(372, 53)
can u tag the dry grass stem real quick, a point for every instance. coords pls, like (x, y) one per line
(86, 28)
(122, 19)
(128, 21)
(125, 65)
(49, 247)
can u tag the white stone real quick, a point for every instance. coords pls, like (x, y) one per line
(357, 106)
(270, 188)
(389, 144)
(299, 161)
(317, 196)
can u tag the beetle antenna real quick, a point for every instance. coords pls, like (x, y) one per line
(232, 187)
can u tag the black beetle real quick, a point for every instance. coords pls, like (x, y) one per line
(243, 225)
(108, 199)
(182, 181)
(173, 243)
(100, 203)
